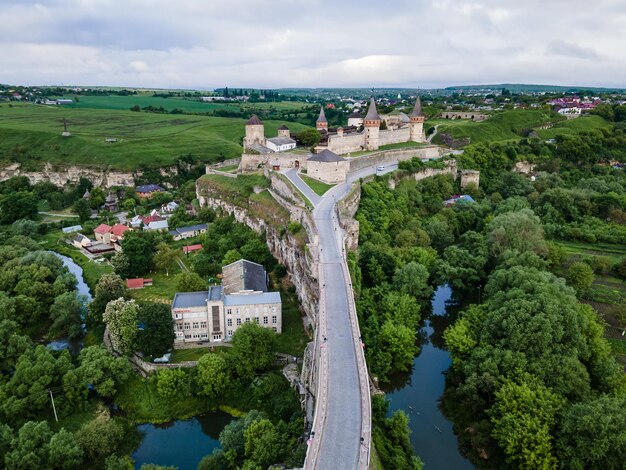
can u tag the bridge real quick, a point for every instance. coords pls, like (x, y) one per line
(342, 423)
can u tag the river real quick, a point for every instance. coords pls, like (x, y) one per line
(418, 393)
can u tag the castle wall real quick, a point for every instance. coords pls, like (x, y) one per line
(252, 162)
(394, 136)
(385, 157)
(328, 172)
(346, 143)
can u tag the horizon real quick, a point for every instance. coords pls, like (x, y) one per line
(429, 44)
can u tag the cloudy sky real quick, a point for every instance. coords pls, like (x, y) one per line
(312, 43)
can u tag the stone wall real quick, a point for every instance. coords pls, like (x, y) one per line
(100, 177)
(328, 172)
(386, 157)
(346, 143)
(252, 162)
(464, 115)
(524, 167)
(470, 177)
(394, 136)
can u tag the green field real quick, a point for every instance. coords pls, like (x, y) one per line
(318, 187)
(574, 126)
(505, 125)
(187, 104)
(31, 135)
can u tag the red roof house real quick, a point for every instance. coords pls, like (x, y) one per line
(138, 283)
(191, 248)
(119, 229)
(102, 229)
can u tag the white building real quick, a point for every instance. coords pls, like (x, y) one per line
(280, 144)
(215, 315)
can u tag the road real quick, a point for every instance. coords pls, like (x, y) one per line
(341, 433)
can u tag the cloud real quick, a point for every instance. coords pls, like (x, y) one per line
(311, 43)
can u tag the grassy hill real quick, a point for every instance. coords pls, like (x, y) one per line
(574, 126)
(501, 126)
(31, 135)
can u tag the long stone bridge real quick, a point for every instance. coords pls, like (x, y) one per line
(342, 424)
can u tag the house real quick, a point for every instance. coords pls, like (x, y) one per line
(138, 220)
(80, 241)
(64, 101)
(109, 235)
(148, 190)
(138, 283)
(169, 207)
(280, 144)
(215, 315)
(72, 229)
(158, 225)
(188, 232)
(459, 199)
(191, 248)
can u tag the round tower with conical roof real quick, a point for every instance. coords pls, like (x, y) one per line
(255, 132)
(321, 124)
(371, 124)
(417, 122)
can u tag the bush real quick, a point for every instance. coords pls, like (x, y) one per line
(620, 268)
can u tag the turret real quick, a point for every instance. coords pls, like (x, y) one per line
(283, 131)
(371, 122)
(255, 132)
(417, 122)
(321, 124)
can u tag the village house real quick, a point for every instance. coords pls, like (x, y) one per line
(157, 225)
(188, 232)
(191, 248)
(108, 235)
(138, 283)
(215, 315)
(148, 190)
(81, 241)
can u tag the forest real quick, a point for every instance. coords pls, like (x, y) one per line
(534, 383)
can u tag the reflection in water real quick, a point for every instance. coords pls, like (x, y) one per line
(180, 443)
(418, 392)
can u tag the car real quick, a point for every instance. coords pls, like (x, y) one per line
(380, 168)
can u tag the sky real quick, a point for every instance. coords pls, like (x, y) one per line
(204, 44)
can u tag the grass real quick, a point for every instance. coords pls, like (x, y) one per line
(235, 190)
(574, 126)
(615, 252)
(191, 354)
(505, 125)
(293, 339)
(618, 346)
(318, 187)
(31, 134)
(228, 168)
(303, 198)
(401, 145)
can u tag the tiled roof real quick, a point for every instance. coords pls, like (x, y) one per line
(119, 229)
(322, 116)
(191, 248)
(417, 109)
(254, 121)
(372, 114)
(326, 156)
(134, 283)
(103, 228)
(283, 128)
(148, 188)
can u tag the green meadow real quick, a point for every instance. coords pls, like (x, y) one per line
(31, 134)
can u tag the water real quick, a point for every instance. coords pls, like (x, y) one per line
(418, 393)
(180, 443)
(83, 293)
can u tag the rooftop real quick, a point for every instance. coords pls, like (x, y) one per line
(322, 116)
(372, 113)
(281, 140)
(148, 188)
(254, 121)
(190, 299)
(103, 228)
(191, 228)
(326, 156)
(244, 275)
(251, 299)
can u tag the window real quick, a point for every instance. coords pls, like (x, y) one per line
(177, 316)
(217, 337)
(230, 332)
(202, 324)
(237, 311)
(204, 335)
(187, 336)
(195, 325)
(256, 320)
(229, 322)
(238, 321)
(265, 320)
(274, 318)
(229, 311)
(275, 329)
(186, 326)
(196, 336)
(179, 326)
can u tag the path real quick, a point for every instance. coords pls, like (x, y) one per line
(304, 188)
(430, 138)
(341, 433)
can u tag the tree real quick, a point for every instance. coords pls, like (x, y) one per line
(252, 349)
(309, 137)
(580, 276)
(17, 205)
(12, 344)
(157, 335)
(96, 198)
(100, 437)
(140, 254)
(412, 279)
(65, 453)
(116, 462)
(262, 443)
(189, 282)
(31, 447)
(594, 434)
(164, 257)
(397, 347)
(109, 287)
(213, 375)
(121, 318)
(172, 383)
(136, 108)
(121, 265)
(102, 370)
(66, 315)
(82, 208)
(230, 257)
(25, 227)
(6, 435)
(521, 231)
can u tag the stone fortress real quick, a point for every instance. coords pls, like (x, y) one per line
(362, 134)
(371, 137)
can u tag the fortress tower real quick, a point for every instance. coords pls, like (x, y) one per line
(417, 122)
(255, 132)
(371, 123)
(321, 124)
(283, 131)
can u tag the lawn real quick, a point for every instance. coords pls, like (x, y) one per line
(293, 339)
(317, 186)
(31, 134)
(574, 126)
(505, 125)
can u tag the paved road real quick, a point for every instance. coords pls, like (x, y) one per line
(342, 422)
(304, 188)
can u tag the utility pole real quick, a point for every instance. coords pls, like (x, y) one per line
(53, 407)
